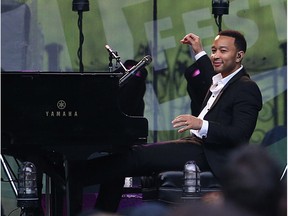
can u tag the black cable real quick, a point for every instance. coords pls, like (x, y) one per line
(13, 211)
(81, 41)
(80, 6)
(218, 21)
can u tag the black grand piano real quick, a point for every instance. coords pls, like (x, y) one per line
(73, 114)
(66, 109)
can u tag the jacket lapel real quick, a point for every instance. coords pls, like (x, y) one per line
(232, 80)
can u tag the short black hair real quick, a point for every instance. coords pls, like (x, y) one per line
(240, 41)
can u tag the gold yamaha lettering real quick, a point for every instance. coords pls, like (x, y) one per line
(61, 105)
(61, 114)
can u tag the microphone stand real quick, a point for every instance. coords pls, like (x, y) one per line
(110, 66)
(114, 55)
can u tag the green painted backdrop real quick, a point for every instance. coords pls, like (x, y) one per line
(135, 28)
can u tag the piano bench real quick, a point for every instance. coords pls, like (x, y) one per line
(167, 186)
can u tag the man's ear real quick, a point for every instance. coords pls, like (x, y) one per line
(239, 56)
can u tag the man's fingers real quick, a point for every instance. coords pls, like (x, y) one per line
(181, 130)
(179, 124)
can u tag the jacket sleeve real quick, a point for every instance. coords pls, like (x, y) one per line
(198, 85)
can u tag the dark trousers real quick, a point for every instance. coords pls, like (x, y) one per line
(141, 160)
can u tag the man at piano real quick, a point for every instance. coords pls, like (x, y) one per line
(226, 121)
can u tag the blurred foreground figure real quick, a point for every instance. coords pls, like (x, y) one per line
(252, 182)
(204, 209)
(251, 187)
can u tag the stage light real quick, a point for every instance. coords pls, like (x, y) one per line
(80, 5)
(220, 7)
(27, 187)
(192, 184)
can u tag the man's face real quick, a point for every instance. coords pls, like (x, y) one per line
(224, 55)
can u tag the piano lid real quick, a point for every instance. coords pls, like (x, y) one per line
(66, 109)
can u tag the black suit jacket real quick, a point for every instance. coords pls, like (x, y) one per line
(233, 116)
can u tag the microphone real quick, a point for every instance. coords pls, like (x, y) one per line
(113, 54)
(132, 71)
(109, 49)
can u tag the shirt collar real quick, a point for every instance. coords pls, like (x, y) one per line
(219, 79)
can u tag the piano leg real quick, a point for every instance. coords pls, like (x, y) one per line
(47, 196)
(57, 199)
(74, 189)
(111, 190)
(55, 185)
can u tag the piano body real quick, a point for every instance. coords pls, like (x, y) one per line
(74, 114)
(66, 109)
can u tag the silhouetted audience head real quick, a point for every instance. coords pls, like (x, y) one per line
(93, 212)
(251, 181)
(203, 209)
(149, 209)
